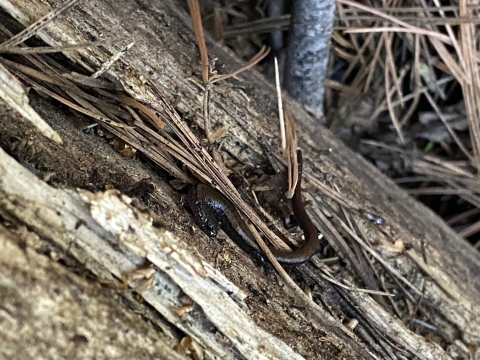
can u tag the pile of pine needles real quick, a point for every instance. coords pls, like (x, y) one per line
(403, 78)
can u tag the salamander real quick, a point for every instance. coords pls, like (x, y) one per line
(212, 211)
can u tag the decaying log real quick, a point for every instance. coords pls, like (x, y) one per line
(268, 322)
(72, 221)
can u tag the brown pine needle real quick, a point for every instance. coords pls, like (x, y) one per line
(55, 49)
(253, 61)
(37, 25)
(395, 20)
(197, 27)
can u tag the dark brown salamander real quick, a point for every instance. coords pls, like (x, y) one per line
(310, 232)
(212, 210)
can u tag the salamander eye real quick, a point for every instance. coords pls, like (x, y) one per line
(209, 229)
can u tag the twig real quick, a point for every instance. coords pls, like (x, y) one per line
(55, 49)
(37, 25)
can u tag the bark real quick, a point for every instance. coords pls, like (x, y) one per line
(61, 237)
(50, 312)
(308, 51)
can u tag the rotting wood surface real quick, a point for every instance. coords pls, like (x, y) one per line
(165, 52)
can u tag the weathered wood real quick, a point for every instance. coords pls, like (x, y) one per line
(83, 224)
(50, 312)
(165, 51)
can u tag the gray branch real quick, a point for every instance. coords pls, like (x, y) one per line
(307, 51)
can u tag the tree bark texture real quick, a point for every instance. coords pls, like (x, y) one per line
(48, 264)
(308, 51)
